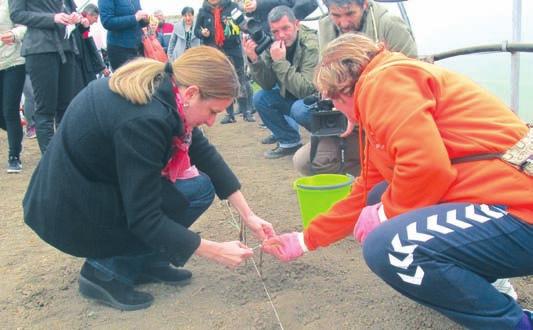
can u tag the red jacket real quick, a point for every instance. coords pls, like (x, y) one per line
(417, 116)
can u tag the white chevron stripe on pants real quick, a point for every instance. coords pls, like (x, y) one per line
(446, 256)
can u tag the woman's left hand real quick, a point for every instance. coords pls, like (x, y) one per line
(262, 229)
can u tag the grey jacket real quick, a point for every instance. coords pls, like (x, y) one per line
(296, 78)
(379, 25)
(43, 35)
(176, 45)
(10, 54)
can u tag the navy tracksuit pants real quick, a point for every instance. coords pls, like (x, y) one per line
(446, 256)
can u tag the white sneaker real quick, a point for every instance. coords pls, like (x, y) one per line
(504, 286)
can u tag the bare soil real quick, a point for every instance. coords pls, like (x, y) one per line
(329, 289)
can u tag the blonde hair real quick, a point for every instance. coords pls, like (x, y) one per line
(342, 62)
(203, 66)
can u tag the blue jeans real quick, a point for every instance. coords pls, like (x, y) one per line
(301, 114)
(200, 193)
(275, 111)
(446, 256)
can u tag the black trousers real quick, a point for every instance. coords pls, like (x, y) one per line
(54, 85)
(120, 55)
(11, 84)
(244, 100)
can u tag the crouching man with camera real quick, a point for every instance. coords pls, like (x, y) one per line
(285, 73)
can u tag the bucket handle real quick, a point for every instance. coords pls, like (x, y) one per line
(295, 186)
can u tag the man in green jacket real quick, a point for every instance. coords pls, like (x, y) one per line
(373, 20)
(369, 18)
(285, 74)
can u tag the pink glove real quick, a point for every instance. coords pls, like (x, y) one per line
(285, 247)
(367, 222)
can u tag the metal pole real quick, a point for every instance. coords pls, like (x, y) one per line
(515, 57)
(405, 17)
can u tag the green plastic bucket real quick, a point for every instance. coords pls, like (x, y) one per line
(317, 193)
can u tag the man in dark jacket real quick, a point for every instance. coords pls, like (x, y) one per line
(123, 20)
(51, 62)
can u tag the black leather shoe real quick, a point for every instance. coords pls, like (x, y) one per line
(164, 274)
(281, 152)
(247, 116)
(104, 289)
(228, 120)
(271, 139)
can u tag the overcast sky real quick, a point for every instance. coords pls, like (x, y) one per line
(170, 6)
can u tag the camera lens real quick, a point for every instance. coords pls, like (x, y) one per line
(237, 16)
(330, 122)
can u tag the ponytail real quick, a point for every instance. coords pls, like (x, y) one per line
(202, 66)
(137, 80)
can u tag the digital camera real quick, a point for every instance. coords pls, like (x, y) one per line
(325, 121)
(253, 27)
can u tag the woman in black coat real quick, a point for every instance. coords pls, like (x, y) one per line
(128, 172)
(215, 27)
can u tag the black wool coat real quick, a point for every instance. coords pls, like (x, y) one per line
(98, 192)
(206, 19)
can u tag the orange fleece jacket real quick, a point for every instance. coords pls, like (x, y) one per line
(417, 116)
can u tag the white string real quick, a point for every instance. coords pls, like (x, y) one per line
(234, 222)
(268, 295)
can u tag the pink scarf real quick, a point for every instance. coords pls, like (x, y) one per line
(179, 165)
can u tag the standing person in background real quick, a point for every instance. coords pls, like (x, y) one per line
(12, 75)
(92, 63)
(124, 20)
(50, 50)
(443, 206)
(183, 36)
(129, 172)
(153, 31)
(163, 28)
(214, 27)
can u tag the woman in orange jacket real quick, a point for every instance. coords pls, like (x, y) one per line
(444, 203)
